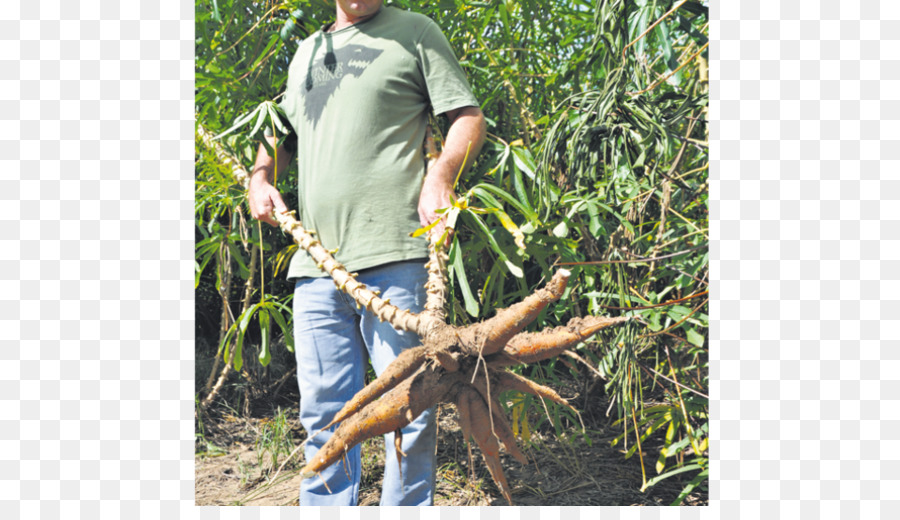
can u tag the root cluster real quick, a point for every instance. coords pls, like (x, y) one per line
(462, 365)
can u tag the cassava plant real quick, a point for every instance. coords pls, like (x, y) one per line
(460, 365)
(596, 161)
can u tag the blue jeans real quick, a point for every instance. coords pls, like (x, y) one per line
(333, 341)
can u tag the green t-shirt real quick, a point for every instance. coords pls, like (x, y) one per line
(357, 99)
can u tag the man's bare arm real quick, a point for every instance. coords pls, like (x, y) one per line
(262, 195)
(466, 126)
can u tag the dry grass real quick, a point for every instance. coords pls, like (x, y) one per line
(560, 471)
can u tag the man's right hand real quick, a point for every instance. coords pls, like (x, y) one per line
(263, 198)
(261, 194)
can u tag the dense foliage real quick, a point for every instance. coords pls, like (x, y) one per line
(597, 159)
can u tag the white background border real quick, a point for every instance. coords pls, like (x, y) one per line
(96, 250)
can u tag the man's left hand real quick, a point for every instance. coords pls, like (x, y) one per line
(464, 139)
(435, 195)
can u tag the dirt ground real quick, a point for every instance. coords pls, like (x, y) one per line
(562, 472)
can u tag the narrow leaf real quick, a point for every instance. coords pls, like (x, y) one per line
(524, 161)
(513, 229)
(513, 268)
(652, 481)
(260, 119)
(285, 329)
(265, 355)
(459, 271)
(239, 123)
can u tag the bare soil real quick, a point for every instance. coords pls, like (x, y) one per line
(577, 470)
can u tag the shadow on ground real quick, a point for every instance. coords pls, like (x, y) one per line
(561, 472)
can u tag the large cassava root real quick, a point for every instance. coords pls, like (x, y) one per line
(461, 365)
(446, 369)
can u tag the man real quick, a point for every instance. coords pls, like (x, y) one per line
(357, 97)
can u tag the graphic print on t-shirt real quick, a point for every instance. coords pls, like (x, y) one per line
(324, 76)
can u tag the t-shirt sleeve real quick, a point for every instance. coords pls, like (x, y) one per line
(445, 79)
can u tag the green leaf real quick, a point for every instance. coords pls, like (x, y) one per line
(695, 337)
(238, 360)
(236, 256)
(513, 229)
(641, 25)
(653, 318)
(524, 161)
(678, 471)
(703, 475)
(244, 319)
(561, 230)
(225, 345)
(668, 53)
(686, 441)
(274, 40)
(276, 113)
(639, 163)
(285, 329)
(459, 272)
(243, 322)
(239, 123)
(513, 268)
(216, 16)
(286, 30)
(595, 226)
(265, 355)
(678, 312)
(206, 252)
(259, 120)
(480, 189)
(501, 163)
(670, 436)
(422, 230)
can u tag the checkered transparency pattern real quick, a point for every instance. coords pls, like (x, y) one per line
(96, 246)
(96, 301)
(806, 255)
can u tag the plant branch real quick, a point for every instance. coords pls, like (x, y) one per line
(682, 320)
(654, 24)
(667, 76)
(663, 304)
(436, 286)
(250, 30)
(226, 370)
(400, 319)
(633, 261)
(676, 383)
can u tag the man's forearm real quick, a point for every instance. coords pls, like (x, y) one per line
(467, 131)
(262, 195)
(264, 169)
(468, 126)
